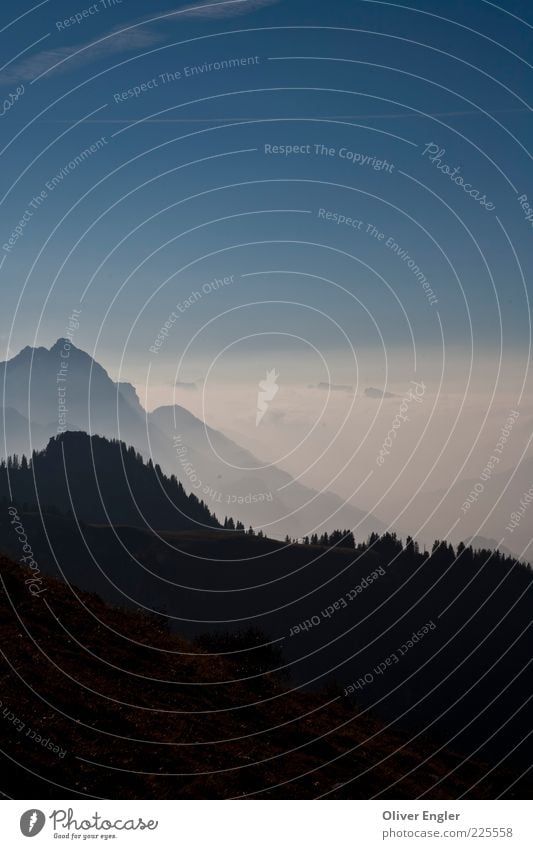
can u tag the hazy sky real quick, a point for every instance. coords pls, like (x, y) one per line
(370, 80)
(338, 191)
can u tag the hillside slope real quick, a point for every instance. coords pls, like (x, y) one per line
(99, 702)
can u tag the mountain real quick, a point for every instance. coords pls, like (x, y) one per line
(483, 544)
(480, 510)
(102, 482)
(120, 708)
(234, 481)
(227, 477)
(14, 432)
(38, 382)
(440, 642)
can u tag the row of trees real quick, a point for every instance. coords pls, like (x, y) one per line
(101, 481)
(389, 545)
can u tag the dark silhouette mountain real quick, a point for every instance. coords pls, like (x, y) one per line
(341, 615)
(102, 481)
(96, 404)
(120, 708)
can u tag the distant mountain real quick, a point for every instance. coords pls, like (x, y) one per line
(483, 544)
(15, 432)
(484, 509)
(38, 381)
(231, 480)
(102, 482)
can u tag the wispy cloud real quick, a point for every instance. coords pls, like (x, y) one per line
(62, 59)
(226, 10)
(372, 392)
(129, 38)
(334, 387)
(189, 387)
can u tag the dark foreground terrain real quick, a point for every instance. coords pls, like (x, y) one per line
(97, 701)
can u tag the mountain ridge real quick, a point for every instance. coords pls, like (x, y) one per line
(267, 498)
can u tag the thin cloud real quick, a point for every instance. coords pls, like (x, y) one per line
(335, 387)
(136, 35)
(372, 392)
(56, 60)
(190, 387)
(240, 7)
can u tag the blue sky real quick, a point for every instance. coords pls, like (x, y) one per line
(181, 193)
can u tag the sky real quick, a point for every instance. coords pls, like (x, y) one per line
(338, 191)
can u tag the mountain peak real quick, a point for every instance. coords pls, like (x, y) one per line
(61, 342)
